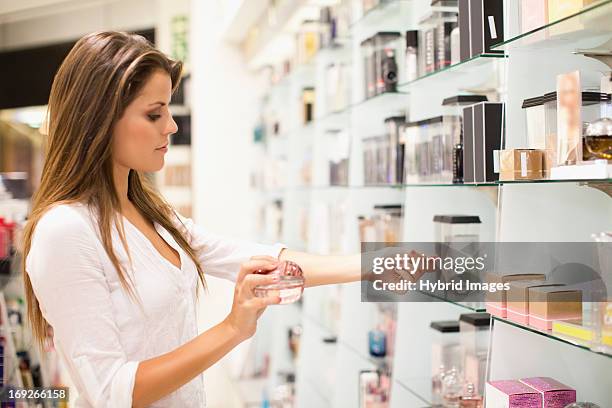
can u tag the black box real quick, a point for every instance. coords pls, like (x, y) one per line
(464, 30)
(468, 144)
(483, 131)
(486, 26)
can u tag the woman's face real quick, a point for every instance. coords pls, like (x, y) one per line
(141, 136)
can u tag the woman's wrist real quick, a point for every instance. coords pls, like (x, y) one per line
(233, 331)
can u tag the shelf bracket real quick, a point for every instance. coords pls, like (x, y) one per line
(602, 53)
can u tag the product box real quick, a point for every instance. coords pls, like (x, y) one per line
(496, 303)
(549, 303)
(517, 304)
(521, 164)
(578, 331)
(554, 394)
(511, 394)
(486, 26)
(482, 135)
(465, 48)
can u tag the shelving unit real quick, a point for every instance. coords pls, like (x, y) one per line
(524, 211)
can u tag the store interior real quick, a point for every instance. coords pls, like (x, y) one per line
(325, 124)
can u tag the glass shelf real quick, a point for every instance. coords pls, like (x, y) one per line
(548, 334)
(424, 185)
(385, 11)
(385, 100)
(449, 72)
(591, 26)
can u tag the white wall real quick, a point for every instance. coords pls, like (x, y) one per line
(224, 109)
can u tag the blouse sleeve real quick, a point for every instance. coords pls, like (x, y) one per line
(220, 256)
(68, 280)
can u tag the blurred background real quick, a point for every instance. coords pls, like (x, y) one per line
(326, 123)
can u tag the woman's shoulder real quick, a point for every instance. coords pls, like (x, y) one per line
(65, 218)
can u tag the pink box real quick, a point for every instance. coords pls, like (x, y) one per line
(554, 394)
(512, 394)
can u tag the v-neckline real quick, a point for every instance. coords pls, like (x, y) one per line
(162, 233)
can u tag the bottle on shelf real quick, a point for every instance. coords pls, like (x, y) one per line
(436, 387)
(452, 387)
(470, 399)
(412, 51)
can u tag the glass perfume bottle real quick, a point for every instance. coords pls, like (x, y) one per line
(598, 138)
(451, 389)
(470, 399)
(436, 387)
(290, 286)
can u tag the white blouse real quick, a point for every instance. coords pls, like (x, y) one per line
(99, 333)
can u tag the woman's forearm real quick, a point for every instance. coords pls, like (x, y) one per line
(159, 376)
(325, 269)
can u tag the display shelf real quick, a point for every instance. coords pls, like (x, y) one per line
(381, 13)
(387, 101)
(548, 334)
(592, 24)
(450, 72)
(587, 182)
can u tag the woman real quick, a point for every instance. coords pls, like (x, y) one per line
(109, 264)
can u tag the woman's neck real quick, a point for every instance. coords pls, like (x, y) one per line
(121, 178)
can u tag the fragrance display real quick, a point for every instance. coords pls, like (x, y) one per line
(461, 132)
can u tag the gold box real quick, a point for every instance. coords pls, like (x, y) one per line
(521, 164)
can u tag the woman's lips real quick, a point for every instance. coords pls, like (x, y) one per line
(164, 148)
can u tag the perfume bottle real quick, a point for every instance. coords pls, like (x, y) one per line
(470, 399)
(377, 340)
(451, 389)
(290, 286)
(598, 138)
(436, 387)
(412, 48)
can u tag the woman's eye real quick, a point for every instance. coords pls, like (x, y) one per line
(154, 117)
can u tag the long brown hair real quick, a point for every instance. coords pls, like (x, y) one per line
(99, 78)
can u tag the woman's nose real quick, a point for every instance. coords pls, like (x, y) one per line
(172, 127)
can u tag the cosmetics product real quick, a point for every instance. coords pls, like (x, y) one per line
(290, 286)
(591, 106)
(412, 52)
(483, 125)
(474, 330)
(430, 50)
(385, 64)
(445, 348)
(569, 123)
(388, 220)
(453, 125)
(486, 26)
(409, 139)
(465, 46)
(457, 228)
(550, 303)
(443, 40)
(339, 142)
(598, 138)
(308, 100)
(452, 388)
(517, 299)
(436, 386)
(496, 303)
(534, 14)
(377, 343)
(536, 122)
(308, 41)
(470, 398)
(579, 331)
(512, 394)
(455, 45)
(520, 164)
(554, 394)
(367, 229)
(394, 172)
(369, 72)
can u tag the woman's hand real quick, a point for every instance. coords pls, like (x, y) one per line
(247, 308)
